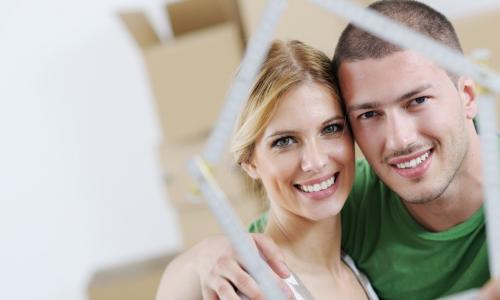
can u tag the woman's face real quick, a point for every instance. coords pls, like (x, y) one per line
(305, 157)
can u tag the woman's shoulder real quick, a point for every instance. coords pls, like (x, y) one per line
(363, 280)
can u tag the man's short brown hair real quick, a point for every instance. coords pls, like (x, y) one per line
(357, 44)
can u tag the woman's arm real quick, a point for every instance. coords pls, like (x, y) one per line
(180, 280)
(210, 269)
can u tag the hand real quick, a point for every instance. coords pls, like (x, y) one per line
(220, 271)
(491, 291)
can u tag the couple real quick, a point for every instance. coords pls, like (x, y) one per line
(413, 221)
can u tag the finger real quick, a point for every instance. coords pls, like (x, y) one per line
(271, 254)
(231, 270)
(208, 294)
(287, 290)
(224, 290)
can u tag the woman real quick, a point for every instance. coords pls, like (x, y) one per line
(293, 142)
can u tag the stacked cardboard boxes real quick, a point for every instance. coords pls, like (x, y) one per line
(301, 20)
(190, 76)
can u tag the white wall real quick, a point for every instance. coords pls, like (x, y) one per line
(80, 184)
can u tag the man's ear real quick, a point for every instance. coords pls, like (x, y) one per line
(469, 95)
(250, 169)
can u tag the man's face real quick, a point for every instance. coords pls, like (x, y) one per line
(410, 120)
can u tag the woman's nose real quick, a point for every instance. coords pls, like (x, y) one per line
(314, 158)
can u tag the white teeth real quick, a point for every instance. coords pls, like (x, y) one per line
(318, 186)
(414, 162)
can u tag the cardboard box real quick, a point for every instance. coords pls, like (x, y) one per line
(302, 21)
(190, 75)
(479, 32)
(197, 223)
(195, 218)
(133, 281)
(190, 15)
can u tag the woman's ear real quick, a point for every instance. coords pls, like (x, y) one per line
(250, 169)
(469, 95)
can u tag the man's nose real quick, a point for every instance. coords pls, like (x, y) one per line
(400, 131)
(314, 157)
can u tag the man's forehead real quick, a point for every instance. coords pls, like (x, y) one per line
(405, 60)
(381, 78)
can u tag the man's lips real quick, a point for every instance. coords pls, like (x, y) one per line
(407, 158)
(413, 167)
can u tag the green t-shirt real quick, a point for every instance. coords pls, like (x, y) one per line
(402, 259)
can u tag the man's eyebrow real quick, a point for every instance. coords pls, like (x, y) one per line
(375, 104)
(414, 92)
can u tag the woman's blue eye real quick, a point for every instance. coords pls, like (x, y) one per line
(333, 129)
(283, 142)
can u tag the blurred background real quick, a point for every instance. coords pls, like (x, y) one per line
(101, 102)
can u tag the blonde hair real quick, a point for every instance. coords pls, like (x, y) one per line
(286, 66)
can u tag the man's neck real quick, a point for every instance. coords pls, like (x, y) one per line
(442, 214)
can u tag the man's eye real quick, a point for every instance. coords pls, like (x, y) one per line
(418, 101)
(283, 142)
(368, 115)
(333, 129)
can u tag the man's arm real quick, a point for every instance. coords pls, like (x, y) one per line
(210, 270)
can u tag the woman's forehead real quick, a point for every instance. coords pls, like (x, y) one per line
(306, 103)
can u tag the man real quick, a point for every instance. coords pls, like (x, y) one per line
(415, 222)
(423, 229)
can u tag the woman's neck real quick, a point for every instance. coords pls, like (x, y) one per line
(308, 246)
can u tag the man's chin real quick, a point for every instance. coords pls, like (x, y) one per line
(419, 197)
